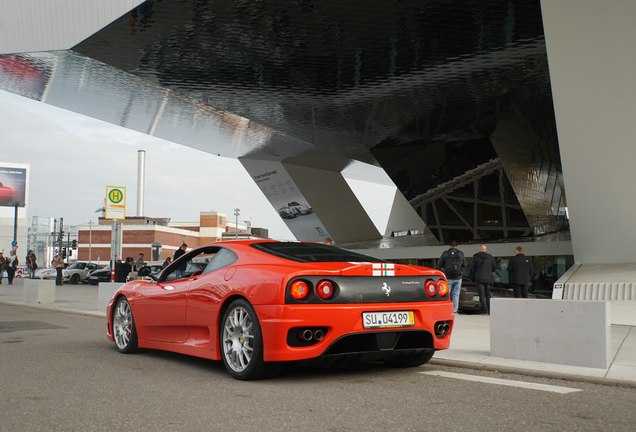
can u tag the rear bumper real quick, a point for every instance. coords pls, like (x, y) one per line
(345, 333)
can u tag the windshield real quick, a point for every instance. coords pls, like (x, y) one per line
(312, 252)
(77, 265)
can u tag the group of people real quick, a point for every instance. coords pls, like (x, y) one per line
(123, 268)
(10, 265)
(453, 262)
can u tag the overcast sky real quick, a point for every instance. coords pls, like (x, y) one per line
(73, 158)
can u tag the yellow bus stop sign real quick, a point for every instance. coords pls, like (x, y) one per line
(115, 202)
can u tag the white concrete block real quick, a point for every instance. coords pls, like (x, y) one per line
(552, 331)
(38, 291)
(105, 292)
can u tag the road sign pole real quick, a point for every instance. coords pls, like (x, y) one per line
(113, 244)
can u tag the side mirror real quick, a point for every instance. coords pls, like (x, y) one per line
(144, 271)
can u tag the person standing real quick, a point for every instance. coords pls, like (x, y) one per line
(12, 268)
(180, 251)
(139, 263)
(481, 270)
(3, 263)
(31, 263)
(520, 273)
(166, 263)
(452, 262)
(58, 263)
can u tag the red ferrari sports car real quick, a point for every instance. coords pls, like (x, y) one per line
(256, 304)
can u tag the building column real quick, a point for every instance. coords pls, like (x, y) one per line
(590, 47)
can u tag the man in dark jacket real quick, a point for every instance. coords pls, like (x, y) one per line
(177, 254)
(520, 272)
(452, 262)
(481, 269)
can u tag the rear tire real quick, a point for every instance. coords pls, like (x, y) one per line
(415, 359)
(241, 343)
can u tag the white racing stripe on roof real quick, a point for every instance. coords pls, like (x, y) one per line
(499, 381)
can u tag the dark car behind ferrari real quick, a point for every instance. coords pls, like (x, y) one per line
(100, 275)
(469, 295)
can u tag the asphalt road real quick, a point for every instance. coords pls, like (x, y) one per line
(58, 372)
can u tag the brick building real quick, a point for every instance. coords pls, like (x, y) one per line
(158, 238)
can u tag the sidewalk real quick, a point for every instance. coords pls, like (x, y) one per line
(470, 342)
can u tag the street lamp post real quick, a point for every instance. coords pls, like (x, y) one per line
(90, 239)
(237, 212)
(15, 224)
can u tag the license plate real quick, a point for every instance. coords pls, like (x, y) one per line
(475, 298)
(388, 319)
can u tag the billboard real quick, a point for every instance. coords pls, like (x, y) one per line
(12, 186)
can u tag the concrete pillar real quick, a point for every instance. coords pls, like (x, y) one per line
(590, 47)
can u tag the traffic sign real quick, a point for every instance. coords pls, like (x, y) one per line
(115, 202)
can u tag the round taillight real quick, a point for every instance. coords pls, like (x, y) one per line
(324, 289)
(442, 287)
(299, 289)
(430, 287)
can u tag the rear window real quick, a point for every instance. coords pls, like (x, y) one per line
(311, 252)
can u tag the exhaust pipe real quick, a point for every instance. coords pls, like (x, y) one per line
(441, 328)
(319, 335)
(307, 335)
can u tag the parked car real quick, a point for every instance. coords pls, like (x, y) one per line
(154, 267)
(45, 273)
(469, 295)
(99, 275)
(77, 271)
(255, 304)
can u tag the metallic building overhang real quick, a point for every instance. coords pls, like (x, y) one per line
(449, 104)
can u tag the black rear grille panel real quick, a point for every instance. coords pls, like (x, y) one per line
(381, 341)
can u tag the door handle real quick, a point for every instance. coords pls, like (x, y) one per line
(168, 288)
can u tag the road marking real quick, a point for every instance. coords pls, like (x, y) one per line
(498, 381)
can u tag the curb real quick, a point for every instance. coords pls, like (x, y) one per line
(534, 373)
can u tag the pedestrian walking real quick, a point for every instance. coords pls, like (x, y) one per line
(520, 273)
(481, 270)
(31, 263)
(452, 262)
(58, 263)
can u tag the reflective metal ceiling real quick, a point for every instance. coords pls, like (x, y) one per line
(428, 90)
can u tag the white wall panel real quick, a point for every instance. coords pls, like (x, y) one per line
(47, 25)
(590, 47)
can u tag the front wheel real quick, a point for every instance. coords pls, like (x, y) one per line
(242, 343)
(75, 279)
(124, 329)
